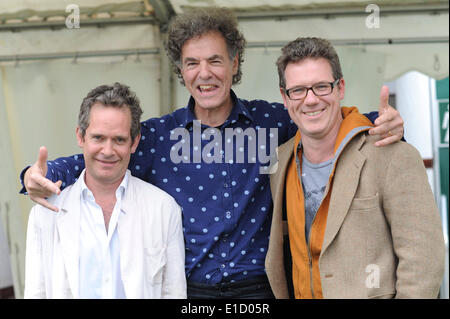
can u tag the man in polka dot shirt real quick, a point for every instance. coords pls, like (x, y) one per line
(212, 157)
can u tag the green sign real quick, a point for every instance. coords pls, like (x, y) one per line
(443, 121)
(442, 94)
(443, 159)
(442, 89)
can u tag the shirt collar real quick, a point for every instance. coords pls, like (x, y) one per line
(239, 110)
(86, 193)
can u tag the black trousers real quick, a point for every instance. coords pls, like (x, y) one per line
(255, 288)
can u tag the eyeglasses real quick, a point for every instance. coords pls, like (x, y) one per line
(319, 89)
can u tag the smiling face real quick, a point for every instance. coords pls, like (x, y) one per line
(107, 144)
(208, 73)
(317, 117)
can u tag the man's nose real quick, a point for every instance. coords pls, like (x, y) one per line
(311, 98)
(205, 71)
(108, 148)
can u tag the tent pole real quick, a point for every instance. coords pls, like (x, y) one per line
(163, 13)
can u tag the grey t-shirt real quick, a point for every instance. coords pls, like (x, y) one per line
(314, 179)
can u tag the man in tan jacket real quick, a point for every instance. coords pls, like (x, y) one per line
(350, 220)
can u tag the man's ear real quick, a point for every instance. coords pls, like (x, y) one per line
(341, 85)
(180, 69)
(135, 143)
(235, 64)
(80, 138)
(284, 96)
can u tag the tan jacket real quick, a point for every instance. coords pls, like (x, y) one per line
(383, 234)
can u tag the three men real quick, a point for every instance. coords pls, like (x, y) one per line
(226, 203)
(115, 236)
(350, 220)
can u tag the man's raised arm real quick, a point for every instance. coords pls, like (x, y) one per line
(42, 179)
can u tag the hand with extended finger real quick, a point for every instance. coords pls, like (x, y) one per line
(389, 124)
(39, 187)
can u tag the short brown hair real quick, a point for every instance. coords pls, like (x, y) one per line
(116, 95)
(302, 48)
(197, 22)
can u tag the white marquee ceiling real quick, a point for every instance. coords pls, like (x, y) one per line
(413, 34)
(12, 6)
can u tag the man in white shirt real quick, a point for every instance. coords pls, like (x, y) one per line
(115, 236)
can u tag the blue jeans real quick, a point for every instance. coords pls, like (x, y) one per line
(256, 288)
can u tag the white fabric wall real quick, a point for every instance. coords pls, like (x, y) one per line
(45, 109)
(6, 279)
(400, 58)
(11, 212)
(81, 40)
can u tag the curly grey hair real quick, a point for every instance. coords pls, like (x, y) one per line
(197, 22)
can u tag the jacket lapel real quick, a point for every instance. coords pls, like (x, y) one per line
(68, 225)
(274, 259)
(278, 175)
(130, 243)
(345, 184)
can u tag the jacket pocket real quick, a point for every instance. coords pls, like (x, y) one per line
(382, 295)
(155, 261)
(365, 203)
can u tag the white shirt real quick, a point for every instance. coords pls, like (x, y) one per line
(100, 275)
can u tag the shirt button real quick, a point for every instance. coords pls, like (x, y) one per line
(225, 185)
(228, 215)
(223, 266)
